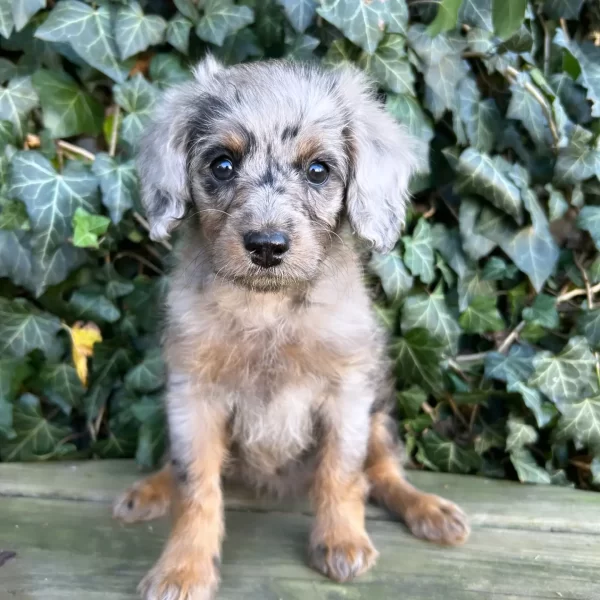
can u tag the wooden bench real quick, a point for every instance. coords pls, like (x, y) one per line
(528, 543)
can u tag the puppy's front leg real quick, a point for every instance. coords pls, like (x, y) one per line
(339, 546)
(188, 568)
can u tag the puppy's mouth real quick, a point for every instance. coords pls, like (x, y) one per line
(264, 280)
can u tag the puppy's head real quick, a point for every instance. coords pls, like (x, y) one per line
(267, 160)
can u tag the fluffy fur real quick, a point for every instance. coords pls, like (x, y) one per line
(277, 377)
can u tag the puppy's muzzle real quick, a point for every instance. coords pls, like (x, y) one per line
(266, 248)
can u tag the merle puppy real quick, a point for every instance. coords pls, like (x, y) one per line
(278, 374)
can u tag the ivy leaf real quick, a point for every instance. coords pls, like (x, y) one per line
(87, 227)
(13, 372)
(542, 312)
(482, 316)
(519, 434)
(418, 252)
(238, 47)
(525, 108)
(24, 328)
(411, 401)
(472, 285)
(442, 79)
(341, 52)
(151, 442)
(116, 285)
(542, 410)
(7, 22)
(447, 456)
(481, 175)
(476, 13)
(589, 220)
(93, 306)
(588, 57)
(396, 16)
(16, 101)
(447, 243)
(135, 31)
(302, 47)
(446, 17)
(7, 134)
(300, 13)
(430, 312)
(497, 268)
(90, 33)
(61, 384)
(508, 17)
(475, 245)
(418, 358)
(566, 376)
(24, 10)
(14, 216)
(516, 366)
(408, 111)
(557, 203)
(580, 422)
(52, 267)
(481, 118)
(563, 9)
(534, 252)
(119, 185)
(15, 258)
(138, 97)
(188, 9)
(588, 324)
(443, 66)
(178, 33)
(579, 160)
(572, 97)
(52, 198)
(149, 375)
(360, 21)
(84, 336)
(37, 438)
(395, 279)
(389, 65)
(527, 469)
(111, 360)
(66, 108)
(222, 18)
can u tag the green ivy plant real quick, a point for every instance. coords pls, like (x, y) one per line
(490, 296)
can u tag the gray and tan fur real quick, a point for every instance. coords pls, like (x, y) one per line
(277, 373)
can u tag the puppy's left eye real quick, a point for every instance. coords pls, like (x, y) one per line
(222, 168)
(317, 173)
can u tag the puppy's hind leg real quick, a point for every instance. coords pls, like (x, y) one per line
(147, 499)
(426, 515)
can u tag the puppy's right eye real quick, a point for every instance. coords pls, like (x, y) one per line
(222, 168)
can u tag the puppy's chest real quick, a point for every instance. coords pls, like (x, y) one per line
(266, 435)
(265, 364)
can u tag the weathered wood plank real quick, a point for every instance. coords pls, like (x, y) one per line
(488, 502)
(73, 550)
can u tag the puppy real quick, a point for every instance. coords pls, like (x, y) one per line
(277, 370)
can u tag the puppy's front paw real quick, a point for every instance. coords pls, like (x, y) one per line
(185, 579)
(343, 560)
(142, 502)
(438, 520)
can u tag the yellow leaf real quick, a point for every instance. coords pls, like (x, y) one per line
(83, 336)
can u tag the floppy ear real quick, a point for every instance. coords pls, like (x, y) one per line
(383, 157)
(163, 150)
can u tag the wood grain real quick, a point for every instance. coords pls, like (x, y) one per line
(527, 543)
(488, 502)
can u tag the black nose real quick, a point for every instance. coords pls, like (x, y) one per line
(266, 247)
